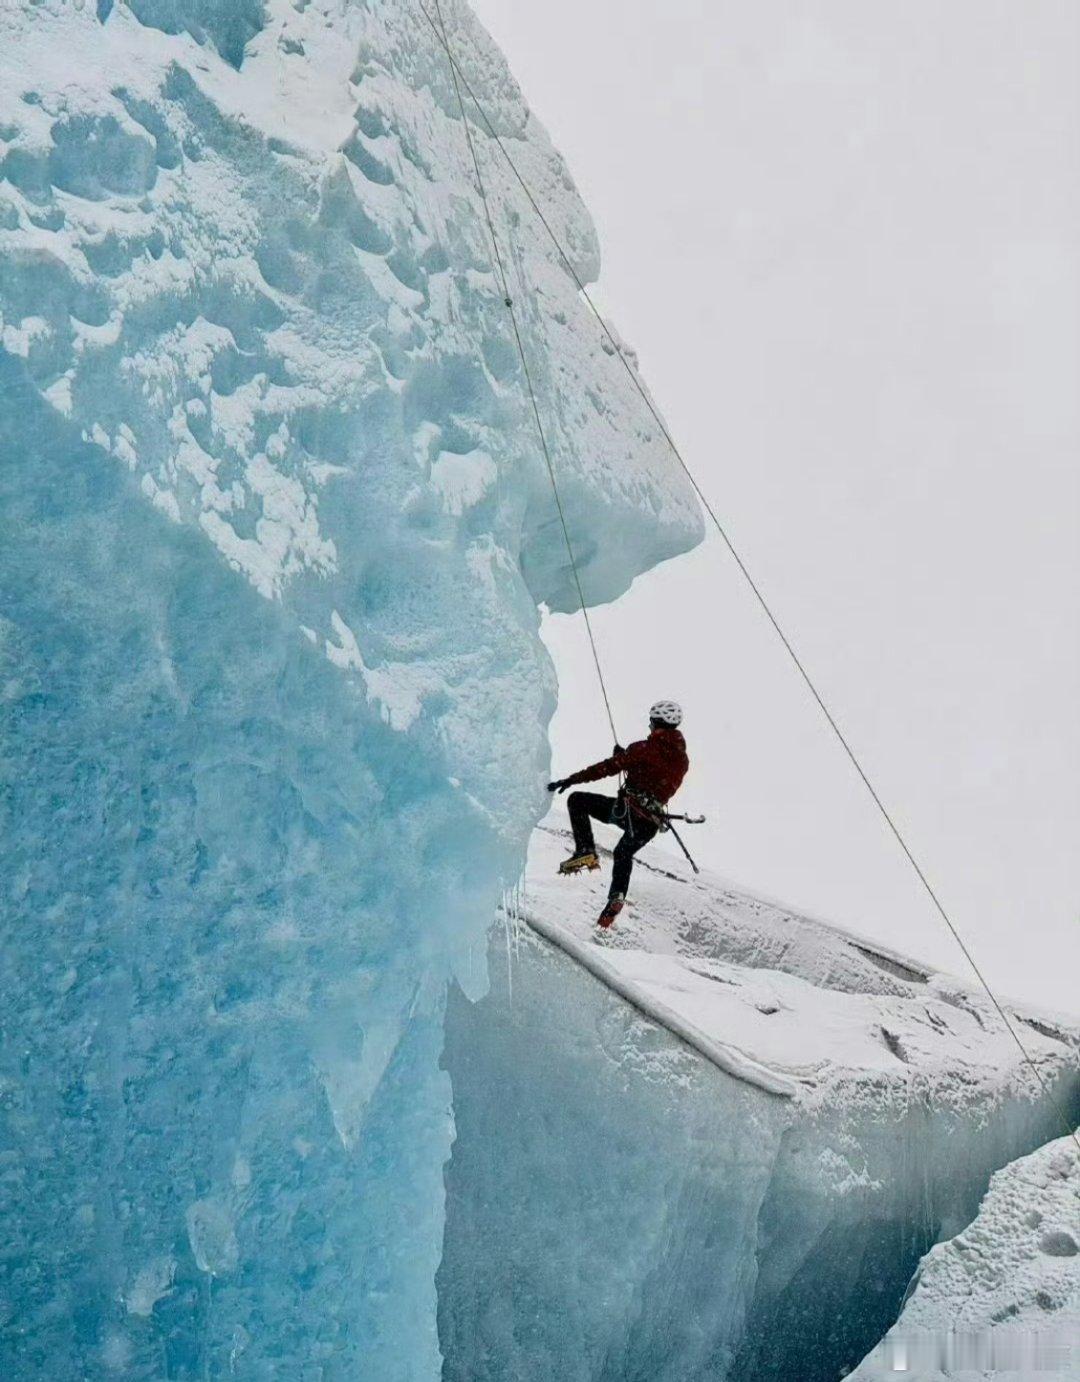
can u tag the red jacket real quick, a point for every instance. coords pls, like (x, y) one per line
(654, 767)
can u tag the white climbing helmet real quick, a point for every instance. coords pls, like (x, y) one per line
(666, 713)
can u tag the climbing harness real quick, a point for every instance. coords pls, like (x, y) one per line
(653, 811)
(461, 81)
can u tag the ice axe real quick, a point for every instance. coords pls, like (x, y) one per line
(689, 820)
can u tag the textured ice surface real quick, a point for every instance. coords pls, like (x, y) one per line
(1002, 1298)
(622, 1208)
(272, 700)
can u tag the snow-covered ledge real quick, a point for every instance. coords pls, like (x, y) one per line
(629, 1197)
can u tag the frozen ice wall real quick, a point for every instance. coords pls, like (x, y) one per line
(624, 1206)
(272, 699)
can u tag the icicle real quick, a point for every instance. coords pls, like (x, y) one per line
(509, 962)
(512, 909)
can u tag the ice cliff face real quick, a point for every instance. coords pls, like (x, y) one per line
(1001, 1299)
(272, 700)
(746, 1201)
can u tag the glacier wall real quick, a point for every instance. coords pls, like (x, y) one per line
(272, 698)
(621, 1210)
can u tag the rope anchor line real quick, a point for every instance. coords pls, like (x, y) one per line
(460, 80)
(509, 303)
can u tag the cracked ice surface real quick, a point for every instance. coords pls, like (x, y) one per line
(272, 699)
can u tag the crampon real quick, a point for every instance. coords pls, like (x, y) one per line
(577, 862)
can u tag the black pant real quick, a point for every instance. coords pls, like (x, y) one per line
(585, 807)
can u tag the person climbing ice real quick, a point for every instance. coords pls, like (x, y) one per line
(654, 769)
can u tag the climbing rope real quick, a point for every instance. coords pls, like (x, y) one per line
(509, 301)
(460, 80)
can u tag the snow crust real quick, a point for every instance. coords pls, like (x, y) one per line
(1002, 1298)
(272, 697)
(743, 1193)
(800, 999)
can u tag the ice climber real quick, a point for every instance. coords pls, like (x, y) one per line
(654, 769)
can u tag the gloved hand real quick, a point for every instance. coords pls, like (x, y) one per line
(558, 786)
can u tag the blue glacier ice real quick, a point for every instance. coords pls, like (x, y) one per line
(274, 530)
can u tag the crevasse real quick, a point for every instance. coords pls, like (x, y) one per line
(272, 698)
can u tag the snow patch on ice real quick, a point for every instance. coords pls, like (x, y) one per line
(462, 480)
(151, 1284)
(805, 1000)
(1001, 1299)
(212, 1235)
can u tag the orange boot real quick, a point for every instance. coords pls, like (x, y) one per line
(615, 904)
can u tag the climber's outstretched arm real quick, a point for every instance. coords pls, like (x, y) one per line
(607, 767)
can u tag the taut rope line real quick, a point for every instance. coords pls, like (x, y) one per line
(461, 80)
(509, 301)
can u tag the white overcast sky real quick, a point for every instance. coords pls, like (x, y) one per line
(842, 236)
